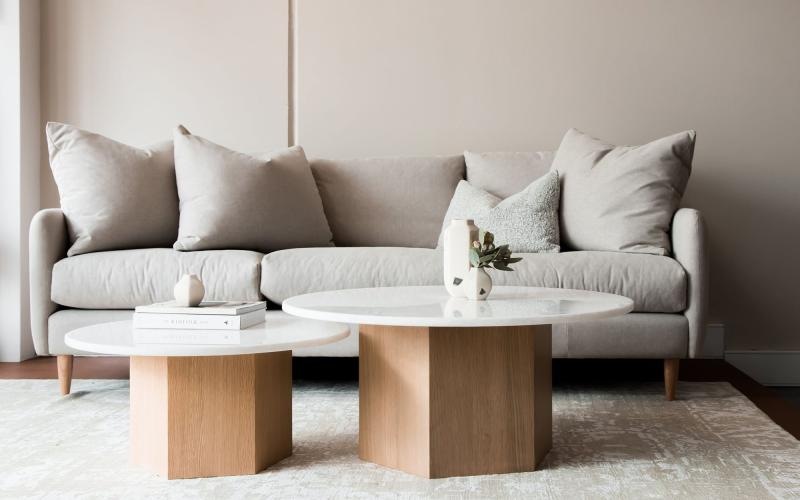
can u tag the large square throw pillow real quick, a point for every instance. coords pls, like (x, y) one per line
(527, 221)
(506, 173)
(231, 200)
(113, 196)
(387, 202)
(621, 198)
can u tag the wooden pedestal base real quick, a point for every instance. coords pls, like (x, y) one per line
(440, 402)
(211, 415)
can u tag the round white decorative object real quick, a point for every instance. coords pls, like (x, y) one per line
(478, 284)
(189, 291)
(433, 306)
(457, 241)
(280, 332)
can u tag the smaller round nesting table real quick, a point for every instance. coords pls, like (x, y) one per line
(453, 387)
(200, 410)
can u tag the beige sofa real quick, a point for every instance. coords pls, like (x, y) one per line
(385, 235)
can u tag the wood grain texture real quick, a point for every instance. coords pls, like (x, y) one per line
(148, 417)
(671, 368)
(212, 415)
(394, 395)
(64, 365)
(273, 410)
(440, 402)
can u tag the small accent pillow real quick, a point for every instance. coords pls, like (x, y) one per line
(114, 196)
(526, 221)
(231, 200)
(621, 198)
(504, 174)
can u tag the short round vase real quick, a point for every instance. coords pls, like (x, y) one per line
(189, 291)
(478, 284)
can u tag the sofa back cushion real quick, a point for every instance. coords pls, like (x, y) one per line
(387, 201)
(231, 200)
(114, 196)
(505, 174)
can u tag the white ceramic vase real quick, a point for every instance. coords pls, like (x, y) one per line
(458, 238)
(189, 291)
(478, 284)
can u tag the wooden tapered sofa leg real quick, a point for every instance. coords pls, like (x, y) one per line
(64, 363)
(671, 377)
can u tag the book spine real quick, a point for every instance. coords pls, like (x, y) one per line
(186, 321)
(184, 337)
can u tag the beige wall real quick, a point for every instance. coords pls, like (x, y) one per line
(133, 69)
(418, 77)
(383, 77)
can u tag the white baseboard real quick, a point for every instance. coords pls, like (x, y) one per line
(777, 368)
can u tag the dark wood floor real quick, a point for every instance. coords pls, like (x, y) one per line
(565, 371)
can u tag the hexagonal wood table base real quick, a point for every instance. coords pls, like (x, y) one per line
(440, 402)
(211, 415)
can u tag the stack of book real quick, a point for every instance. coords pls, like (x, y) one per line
(210, 322)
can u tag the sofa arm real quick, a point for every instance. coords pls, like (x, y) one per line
(47, 245)
(690, 249)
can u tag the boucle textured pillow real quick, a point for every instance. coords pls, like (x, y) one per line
(526, 222)
(621, 198)
(113, 196)
(231, 200)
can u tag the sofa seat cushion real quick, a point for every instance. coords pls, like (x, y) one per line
(297, 271)
(124, 279)
(654, 283)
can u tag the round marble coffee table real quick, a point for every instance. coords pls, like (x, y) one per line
(200, 410)
(453, 387)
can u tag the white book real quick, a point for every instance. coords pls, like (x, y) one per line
(197, 321)
(194, 337)
(211, 307)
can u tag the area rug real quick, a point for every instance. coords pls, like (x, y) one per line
(619, 442)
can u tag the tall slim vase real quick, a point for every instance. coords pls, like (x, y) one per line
(458, 238)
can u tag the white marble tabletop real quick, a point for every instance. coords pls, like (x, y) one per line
(433, 306)
(280, 332)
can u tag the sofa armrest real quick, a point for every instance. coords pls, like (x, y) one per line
(47, 245)
(690, 249)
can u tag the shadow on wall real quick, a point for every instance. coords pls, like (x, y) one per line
(753, 239)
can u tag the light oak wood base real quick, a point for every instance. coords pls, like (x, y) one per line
(671, 367)
(211, 415)
(64, 367)
(441, 402)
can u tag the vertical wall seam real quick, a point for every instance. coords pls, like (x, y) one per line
(292, 74)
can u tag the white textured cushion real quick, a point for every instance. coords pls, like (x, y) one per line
(233, 200)
(114, 196)
(396, 202)
(526, 221)
(123, 279)
(654, 283)
(621, 198)
(506, 173)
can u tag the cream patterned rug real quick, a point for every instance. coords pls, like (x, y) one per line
(624, 442)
